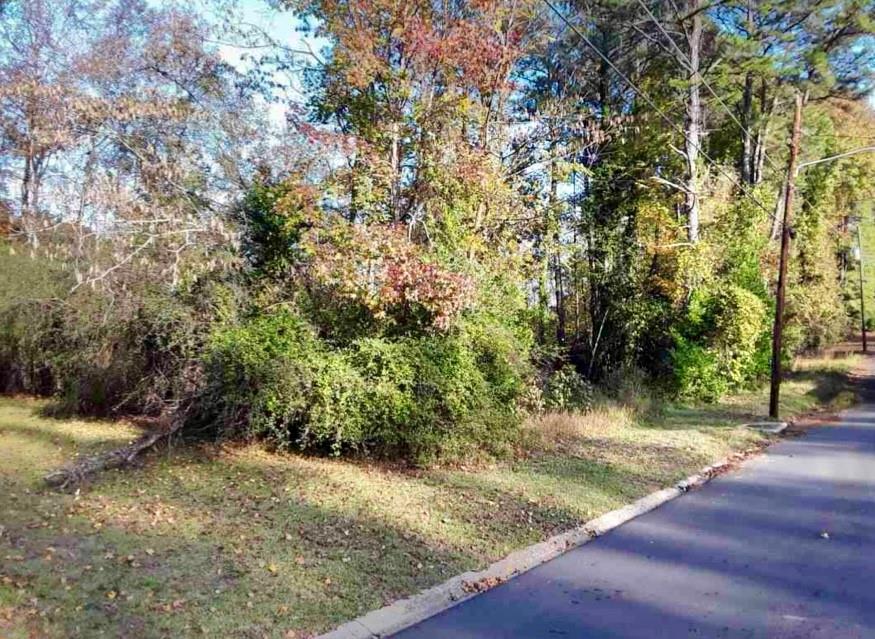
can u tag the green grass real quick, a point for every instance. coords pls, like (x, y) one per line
(238, 542)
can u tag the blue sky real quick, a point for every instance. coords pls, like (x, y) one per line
(285, 28)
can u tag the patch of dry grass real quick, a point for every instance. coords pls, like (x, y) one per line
(833, 361)
(555, 431)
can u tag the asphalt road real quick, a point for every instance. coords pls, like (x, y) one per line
(784, 547)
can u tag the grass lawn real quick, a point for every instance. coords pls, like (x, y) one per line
(238, 542)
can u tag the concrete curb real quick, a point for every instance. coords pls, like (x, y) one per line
(407, 612)
(772, 428)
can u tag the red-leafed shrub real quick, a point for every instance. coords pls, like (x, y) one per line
(378, 268)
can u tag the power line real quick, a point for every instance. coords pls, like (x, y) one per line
(652, 105)
(688, 64)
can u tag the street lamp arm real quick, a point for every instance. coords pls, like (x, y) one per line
(846, 154)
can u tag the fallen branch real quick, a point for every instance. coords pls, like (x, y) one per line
(118, 458)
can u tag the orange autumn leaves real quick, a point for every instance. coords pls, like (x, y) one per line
(474, 47)
(378, 267)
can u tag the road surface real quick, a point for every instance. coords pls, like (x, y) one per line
(782, 548)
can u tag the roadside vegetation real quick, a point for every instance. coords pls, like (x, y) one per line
(237, 541)
(435, 246)
(382, 290)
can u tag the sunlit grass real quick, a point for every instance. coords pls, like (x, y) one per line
(240, 542)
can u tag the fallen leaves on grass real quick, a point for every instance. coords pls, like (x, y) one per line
(172, 606)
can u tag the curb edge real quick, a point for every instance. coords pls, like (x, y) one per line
(407, 612)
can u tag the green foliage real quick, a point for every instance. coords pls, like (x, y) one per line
(722, 344)
(99, 353)
(273, 217)
(272, 377)
(26, 322)
(566, 389)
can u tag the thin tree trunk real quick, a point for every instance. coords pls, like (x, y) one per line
(746, 162)
(542, 295)
(560, 299)
(762, 133)
(353, 191)
(693, 124)
(394, 159)
(556, 245)
(25, 185)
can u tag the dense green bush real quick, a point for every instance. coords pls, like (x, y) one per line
(722, 344)
(26, 322)
(95, 352)
(272, 377)
(566, 389)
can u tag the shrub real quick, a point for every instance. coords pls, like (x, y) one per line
(27, 322)
(566, 389)
(722, 344)
(418, 396)
(697, 374)
(98, 353)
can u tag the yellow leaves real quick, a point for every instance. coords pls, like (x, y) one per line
(272, 569)
(111, 595)
(18, 583)
(173, 606)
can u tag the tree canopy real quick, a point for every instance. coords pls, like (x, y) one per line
(471, 209)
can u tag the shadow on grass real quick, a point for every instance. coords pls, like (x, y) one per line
(220, 562)
(254, 546)
(83, 444)
(240, 576)
(239, 546)
(827, 387)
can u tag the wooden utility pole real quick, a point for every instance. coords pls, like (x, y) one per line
(862, 296)
(790, 193)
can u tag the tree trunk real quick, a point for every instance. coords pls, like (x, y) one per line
(395, 163)
(25, 185)
(763, 132)
(556, 244)
(746, 162)
(119, 457)
(543, 303)
(693, 124)
(560, 299)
